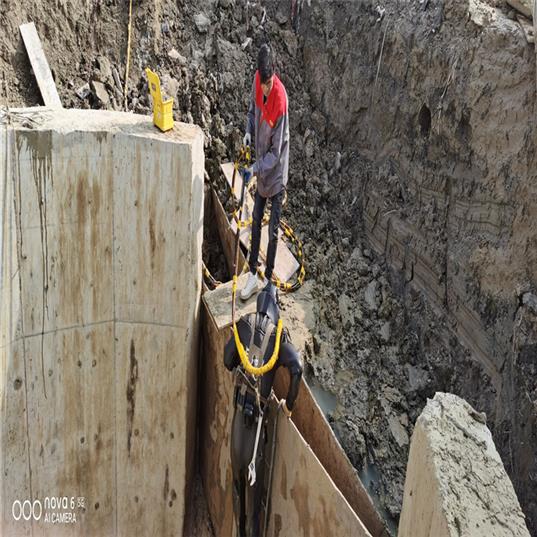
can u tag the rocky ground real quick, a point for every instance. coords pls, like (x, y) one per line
(389, 103)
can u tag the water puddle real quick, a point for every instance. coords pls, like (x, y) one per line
(325, 399)
(370, 478)
(369, 475)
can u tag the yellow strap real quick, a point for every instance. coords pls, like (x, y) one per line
(257, 371)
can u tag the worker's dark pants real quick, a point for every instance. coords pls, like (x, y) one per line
(247, 500)
(274, 224)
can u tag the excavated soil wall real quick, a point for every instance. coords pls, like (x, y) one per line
(440, 98)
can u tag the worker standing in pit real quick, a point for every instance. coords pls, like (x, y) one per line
(268, 124)
(257, 332)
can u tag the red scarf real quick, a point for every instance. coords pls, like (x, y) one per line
(276, 105)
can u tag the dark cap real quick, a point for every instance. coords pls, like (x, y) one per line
(265, 62)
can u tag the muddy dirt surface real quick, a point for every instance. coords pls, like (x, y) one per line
(412, 185)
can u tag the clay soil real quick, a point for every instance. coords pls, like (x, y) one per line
(412, 185)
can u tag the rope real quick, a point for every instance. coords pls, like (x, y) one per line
(129, 31)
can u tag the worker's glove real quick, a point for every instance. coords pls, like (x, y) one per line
(247, 140)
(247, 174)
(286, 411)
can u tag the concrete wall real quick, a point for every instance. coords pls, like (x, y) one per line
(456, 483)
(100, 284)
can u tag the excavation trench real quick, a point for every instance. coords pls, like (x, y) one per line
(412, 186)
(116, 405)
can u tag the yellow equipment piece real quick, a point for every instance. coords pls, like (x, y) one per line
(162, 110)
(256, 371)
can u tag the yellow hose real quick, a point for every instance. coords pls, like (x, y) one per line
(257, 371)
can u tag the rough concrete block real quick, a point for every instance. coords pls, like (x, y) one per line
(456, 483)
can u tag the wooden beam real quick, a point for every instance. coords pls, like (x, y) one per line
(285, 264)
(40, 65)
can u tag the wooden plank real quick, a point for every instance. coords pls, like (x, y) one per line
(285, 264)
(40, 65)
(316, 431)
(305, 501)
(227, 238)
(215, 416)
(218, 302)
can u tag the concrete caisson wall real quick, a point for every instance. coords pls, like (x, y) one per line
(99, 317)
(456, 483)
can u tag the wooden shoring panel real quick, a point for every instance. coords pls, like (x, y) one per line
(318, 449)
(285, 264)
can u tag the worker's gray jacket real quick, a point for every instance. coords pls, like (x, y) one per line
(268, 124)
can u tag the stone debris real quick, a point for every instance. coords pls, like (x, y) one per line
(173, 54)
(523, 6)
(398, 431)
(281, 18)
(385, 332)
(202, 22)
(370, 295)
(530, 300)
(99, 90)
(83, 91)
(104, 72)
(346, 310)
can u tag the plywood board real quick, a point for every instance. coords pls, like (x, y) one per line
(39, 63)
(304, 500)
(310, 421)
(227, 237)
(285, 264)
(215, 415)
